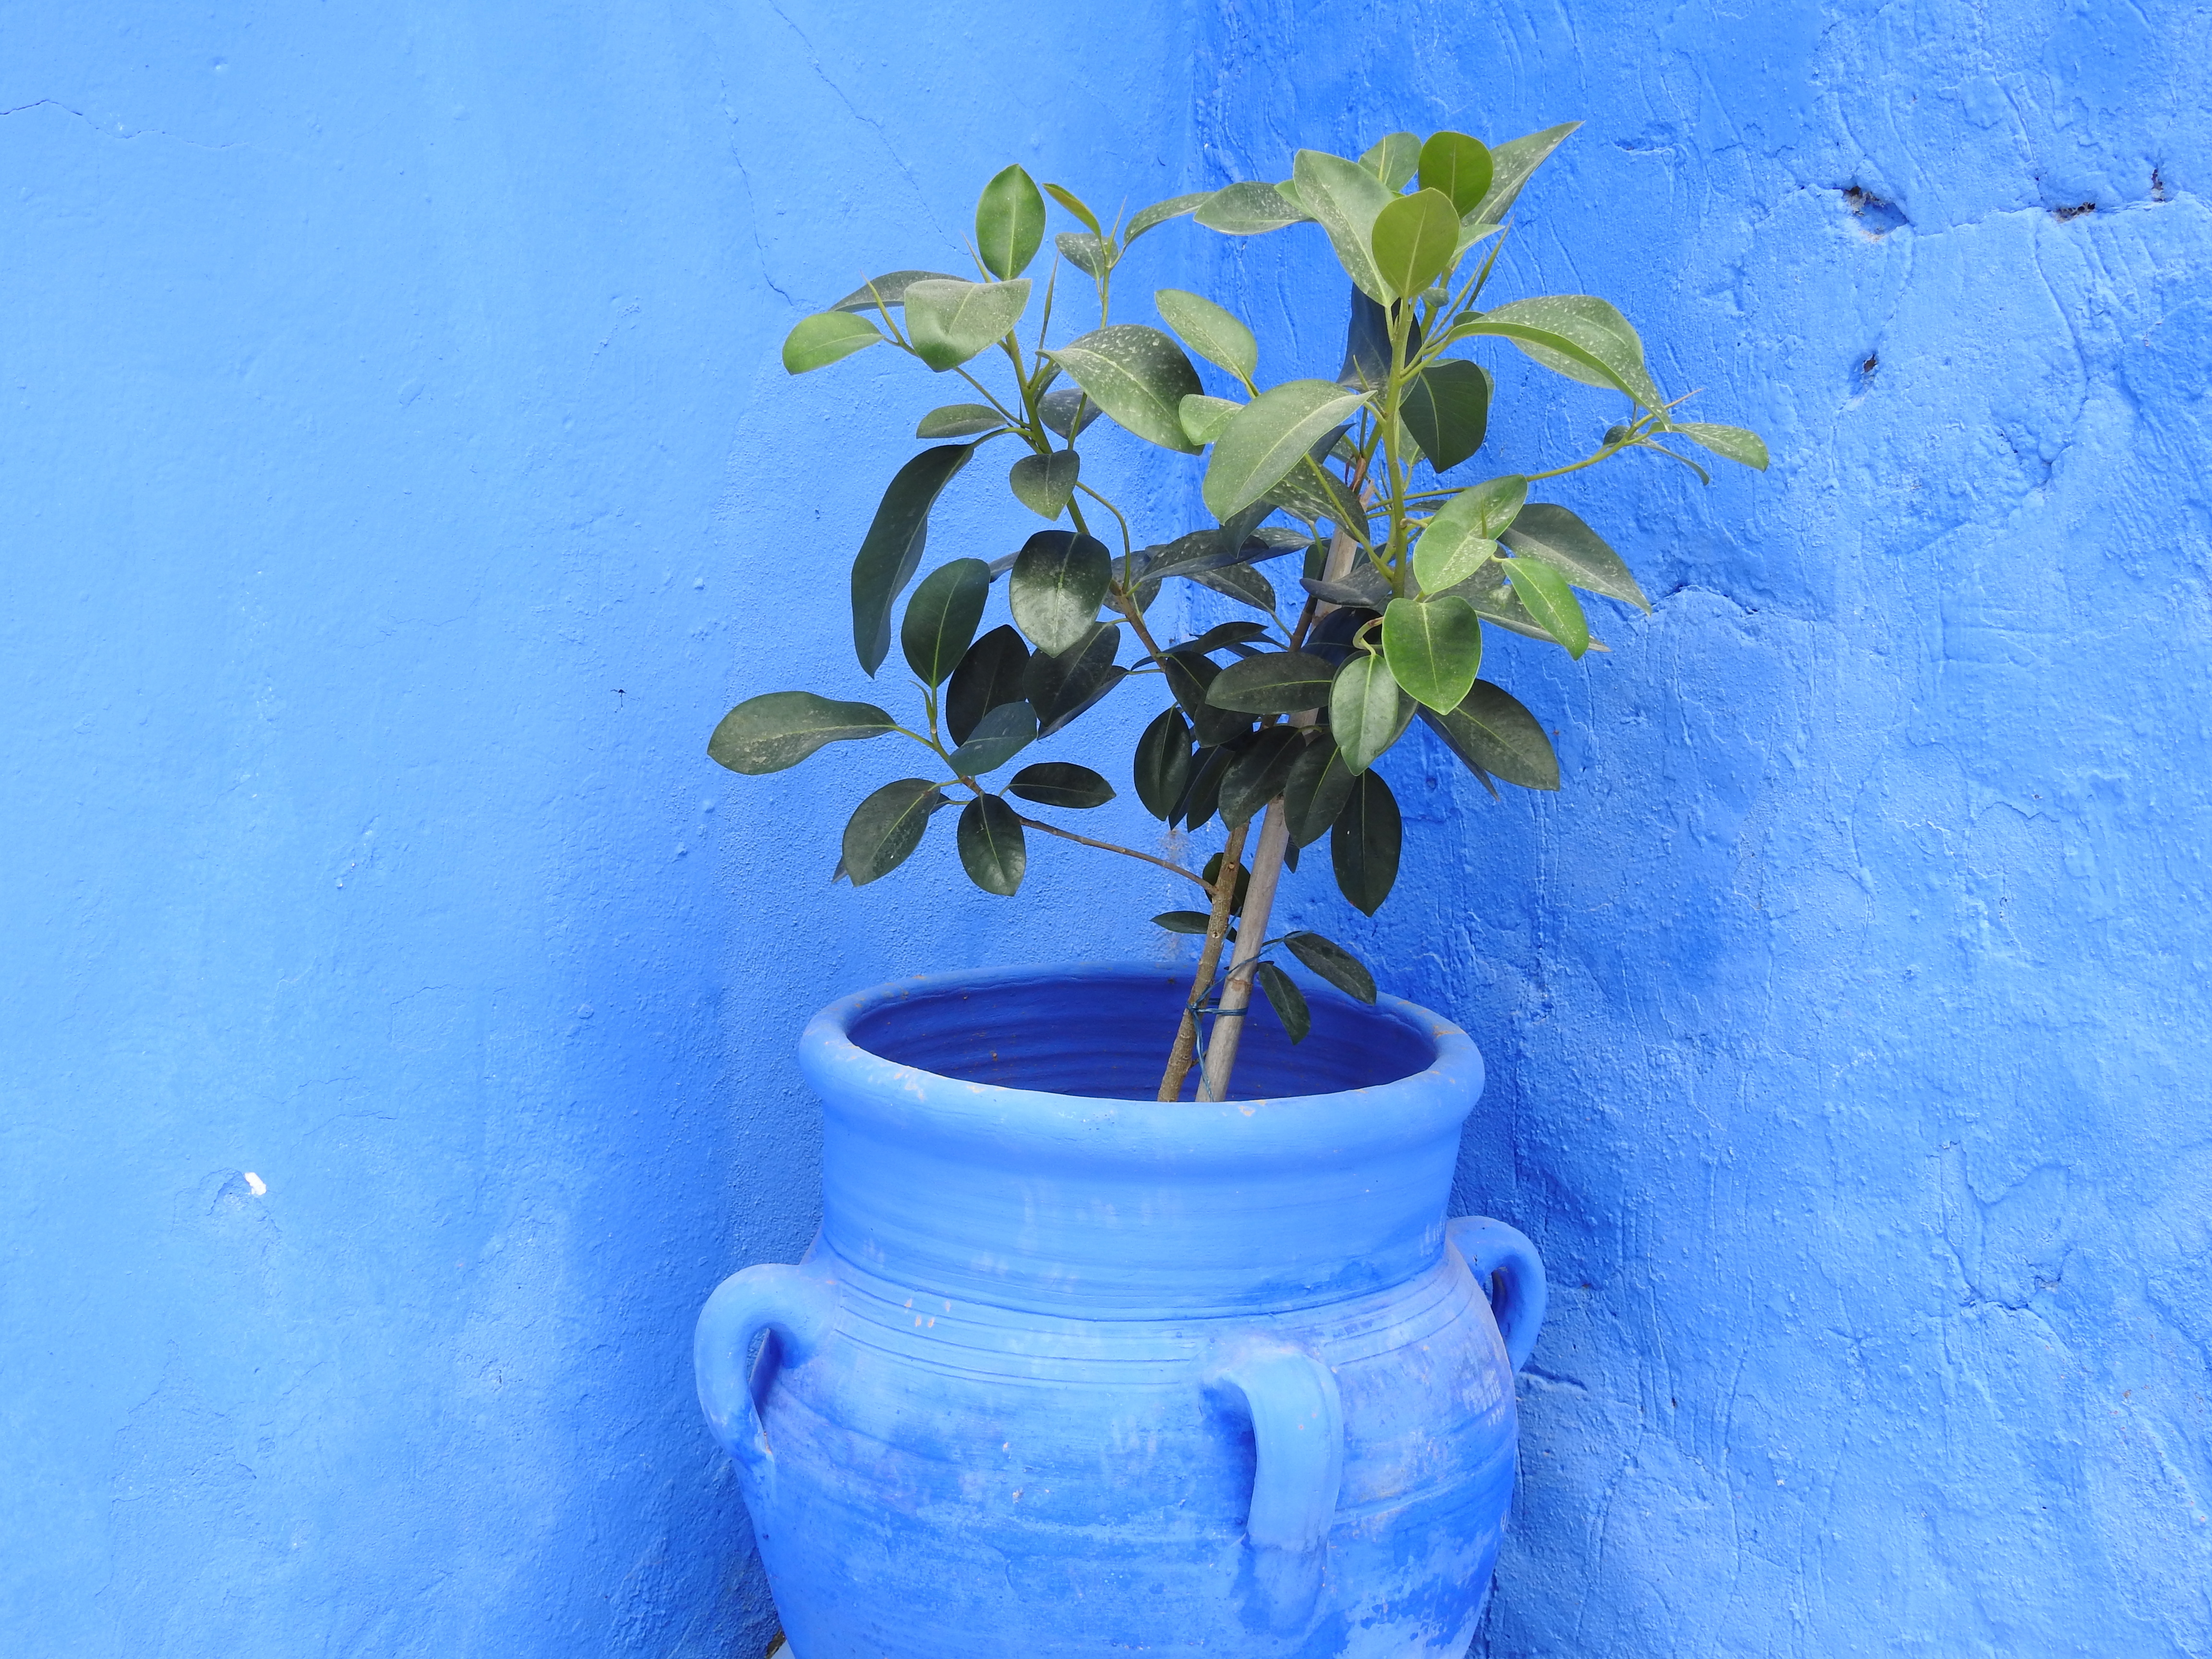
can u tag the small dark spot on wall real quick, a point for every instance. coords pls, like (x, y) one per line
(2157, 185)
(1880, 217)
(2073, 212)
(1862, 372)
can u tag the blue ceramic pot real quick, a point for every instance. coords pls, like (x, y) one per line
(1071, 1371)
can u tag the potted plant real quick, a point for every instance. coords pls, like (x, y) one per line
(1135, 1319)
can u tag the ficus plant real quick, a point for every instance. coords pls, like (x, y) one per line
(1353, 482)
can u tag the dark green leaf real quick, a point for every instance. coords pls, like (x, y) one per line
(1074, 204)
(998, 738)
(1286, 1000)
(1058, 581)
(1239, 582)
(1183, 921)
(1222, 635)
(1138, 375)
(1316, 493)
(1249, 210)
(1060, 687)
(1551, 601)
(1510, 165)
(1268, 437)
(1061, 783)
(1009, 224)
(893, 546)
(1447, 408)
(1057, 409)
(1211, 874)
(1492, 733)
(1279, 683)
(949, 322)
(1731, 443)
(1393, 160)
(1205, 418)
(1094, 256)
(1346, 198)
(822, 338)
(1203, 792)
(1434, 647)
(1314, 792)
(1563, 541)
(885, 828)
(992, 849)
(1214, 334)
(1258, 774)
(1364, 843)
(890, 290)
(1577, 335)
(1414, 241)
(781, 728)
(988, 676)
(1189, 676)
(1366, 364)
(1161, 769)
(959, 420)
(1366, 710)
(1460, 167)
(1334, 964)
(1046, 484)
(1160, 212)
(1364, 587)
(941, 617)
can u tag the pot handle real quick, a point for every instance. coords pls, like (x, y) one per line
(1297, 1435)
(794, 1303)
(1506, 1265)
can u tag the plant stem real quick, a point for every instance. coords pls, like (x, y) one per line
(1251, 936)
(1109, 846)
(1209, 960)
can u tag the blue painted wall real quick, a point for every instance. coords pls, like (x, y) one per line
(393, 426)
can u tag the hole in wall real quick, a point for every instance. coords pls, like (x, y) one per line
(1875, 215)
(1862, 372)
(2063, 214)
(2157, 185)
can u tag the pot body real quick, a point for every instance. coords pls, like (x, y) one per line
(1070, 1371)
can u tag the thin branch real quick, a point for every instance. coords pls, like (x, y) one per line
(1109, 846)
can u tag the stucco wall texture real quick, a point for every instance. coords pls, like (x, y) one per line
(398, 1009)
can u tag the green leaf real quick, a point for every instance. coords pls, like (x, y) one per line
(1316, 493)
(1731, 443)
(1434, 647)
(1249, 210)
(1393, 160)
(890, 290)
(1214, 334)
(949, 322)
(1009, 225)
(1068, 199)
(1286, 1000)
(941, 617)
(1270, 436)
(1161, 769)
(988, 676)
(1203, 418)
(1462, 168)
(1563, 541)
(1551, 601)
(1414, 241)
(1314, 792)
(1512, 164)
(1277, 683)
(1495, 601)
(998, 738)
(1364, 843)
(959, 420)
(1257, 777)
(781, 728)
(1367, 711)
(1136, 375)
(885, 828)
(1333, 962)
(992, 849)
(1577, 335)
(1346, 198)
(1058, 583)
(1239, 582)
(1447, 408)
(1223, 635)
(891, 550)
(1094, 256)
(1061, 686)
(822, 338)
(1183, 921)
(1203, 794)
(1046, 484)
(1464, 532)
(1061, 783)
(1492, 733)
(1160, 212)
(1189, 676)
(1057, 409)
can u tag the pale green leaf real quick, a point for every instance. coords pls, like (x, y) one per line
(1434, 647)
(1458, 165)
(959, 420)
(1046, 484)
(779, 729)
(1138, 375)
(1731, 443)
(1394, 160)
(1214, 334)
(1367, 711)
(1346, 198)
(1413, 240)
(1009, 224)
(1205, 418)
(1563, 541)
(1512, 164)
(824, 338)
(948, 323)
(1248, 209)
(1551, 601)
(1268, 437)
